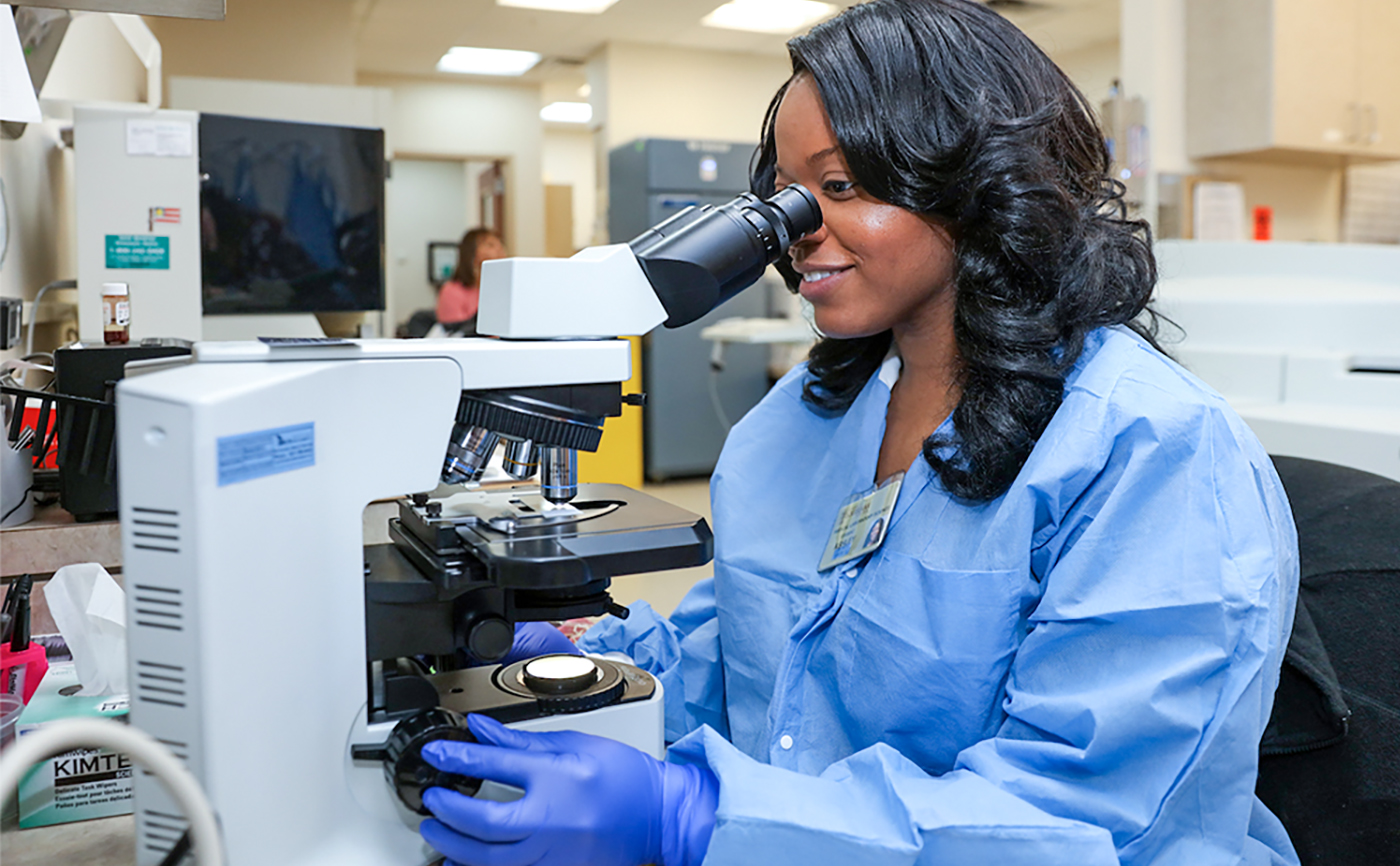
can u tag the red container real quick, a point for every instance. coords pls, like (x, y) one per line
(32, 661)
(31, 420)
(1263, 223)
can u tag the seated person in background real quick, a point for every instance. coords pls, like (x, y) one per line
(458, 297)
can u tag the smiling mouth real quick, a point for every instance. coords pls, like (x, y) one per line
(813, 276)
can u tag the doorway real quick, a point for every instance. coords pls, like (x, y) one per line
(433, 201)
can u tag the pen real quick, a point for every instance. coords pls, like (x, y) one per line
(7, 611)
(19, 614)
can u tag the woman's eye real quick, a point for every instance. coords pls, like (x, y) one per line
(837, 187)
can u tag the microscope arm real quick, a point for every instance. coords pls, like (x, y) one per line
(599, 292)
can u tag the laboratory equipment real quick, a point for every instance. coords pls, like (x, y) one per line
(87, 448)
(648, 181)
(291, 216)
(269, 645)
(268, 218)
(1300, 338)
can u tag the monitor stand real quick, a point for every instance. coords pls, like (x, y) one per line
(250, 327)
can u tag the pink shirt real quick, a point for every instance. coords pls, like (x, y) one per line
(456, 302)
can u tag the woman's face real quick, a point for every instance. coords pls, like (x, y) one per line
(872, 266)
(488, 248)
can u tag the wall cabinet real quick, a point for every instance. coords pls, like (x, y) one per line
(1293, 79)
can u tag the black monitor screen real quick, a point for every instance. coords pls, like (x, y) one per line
(291, 216)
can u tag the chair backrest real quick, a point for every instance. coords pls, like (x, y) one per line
(418, 324)
(1330, 759)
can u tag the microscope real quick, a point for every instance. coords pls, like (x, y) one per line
(295, 669)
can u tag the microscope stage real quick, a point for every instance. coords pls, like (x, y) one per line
(525, 542)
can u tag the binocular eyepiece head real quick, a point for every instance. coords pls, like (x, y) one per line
(707, 254)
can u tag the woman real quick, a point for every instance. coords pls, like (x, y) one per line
(459, 296)
(1065, 649)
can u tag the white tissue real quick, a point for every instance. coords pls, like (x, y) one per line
(90, 610)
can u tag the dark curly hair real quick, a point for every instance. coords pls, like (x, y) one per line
(945, 109)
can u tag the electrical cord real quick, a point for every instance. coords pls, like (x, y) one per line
(716, 367)
(25, 498)
(176, 855)
(68, 734)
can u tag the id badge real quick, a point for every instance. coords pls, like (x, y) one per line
(862, 523)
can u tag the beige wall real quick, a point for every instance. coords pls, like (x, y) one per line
(1093, 69)
(568, 159)
(446, 119)
(94, 62)
(1307, 199)
(308, 41)
(669, 92)
(645, 91)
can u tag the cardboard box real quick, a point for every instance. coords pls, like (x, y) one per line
(78, 785)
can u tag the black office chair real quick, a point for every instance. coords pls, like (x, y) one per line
(1330, 759)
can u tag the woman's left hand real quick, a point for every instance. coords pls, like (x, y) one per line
(588, 800)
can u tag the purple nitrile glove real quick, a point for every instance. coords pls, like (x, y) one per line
(531, 639)
(537, 639)
(588, 800)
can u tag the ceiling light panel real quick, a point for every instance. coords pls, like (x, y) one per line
(567, 112)
(769, 16)
(588, 7)
(487, 61)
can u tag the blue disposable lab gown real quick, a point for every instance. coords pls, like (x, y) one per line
(1077, 672)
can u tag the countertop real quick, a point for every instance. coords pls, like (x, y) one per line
(54, 539)
(98, 842)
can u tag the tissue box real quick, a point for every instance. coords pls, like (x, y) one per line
(78, 785)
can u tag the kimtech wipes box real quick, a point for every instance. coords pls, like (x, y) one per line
(77, 785)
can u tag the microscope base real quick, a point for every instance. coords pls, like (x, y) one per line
(385, 833)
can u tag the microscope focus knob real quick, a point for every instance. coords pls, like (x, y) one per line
(404, 768)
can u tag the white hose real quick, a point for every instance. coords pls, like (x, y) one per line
(68, 734)
(34, 309)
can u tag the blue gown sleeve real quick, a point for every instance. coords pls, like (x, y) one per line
(1133, 706)
(878, 807)
(682, 652)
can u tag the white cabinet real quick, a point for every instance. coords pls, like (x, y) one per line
(1297, 79)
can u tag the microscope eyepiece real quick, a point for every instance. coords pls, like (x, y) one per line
(705, 255)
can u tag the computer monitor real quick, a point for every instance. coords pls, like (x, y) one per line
(291, 216)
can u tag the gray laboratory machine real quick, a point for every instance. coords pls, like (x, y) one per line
(650, 180)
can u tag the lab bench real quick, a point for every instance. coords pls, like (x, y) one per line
(50, 541)
(98, 842)
(54, 539)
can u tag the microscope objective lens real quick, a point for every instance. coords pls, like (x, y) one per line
(558, 474)
(521, 458)
(486, 449)
(467, 453)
